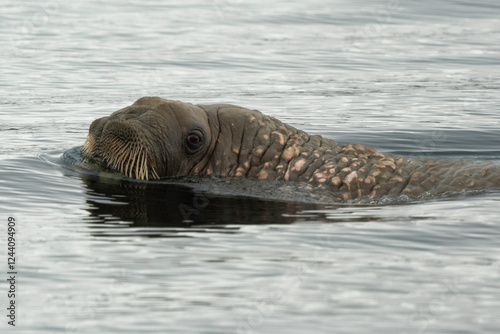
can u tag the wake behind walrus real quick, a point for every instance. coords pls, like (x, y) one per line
(156, 138)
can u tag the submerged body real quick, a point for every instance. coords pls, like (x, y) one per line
(156, 138)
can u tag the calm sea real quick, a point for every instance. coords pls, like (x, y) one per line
(415, 78)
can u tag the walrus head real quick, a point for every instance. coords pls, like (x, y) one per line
(151, 139)
(156, 138)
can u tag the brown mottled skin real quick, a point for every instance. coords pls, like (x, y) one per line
(148, 140)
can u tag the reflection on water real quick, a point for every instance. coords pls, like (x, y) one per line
(153, 205)
(121, 202)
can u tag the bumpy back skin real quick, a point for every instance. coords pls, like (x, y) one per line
(253, 145)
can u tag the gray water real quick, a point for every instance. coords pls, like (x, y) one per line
(412, 78)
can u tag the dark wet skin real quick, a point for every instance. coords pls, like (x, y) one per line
(156, 138)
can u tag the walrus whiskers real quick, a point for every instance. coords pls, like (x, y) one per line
(119, 159)
(89, 146)
(116, 160)
(133, 157)
(155, 174)
(130, 160)
(144, 166)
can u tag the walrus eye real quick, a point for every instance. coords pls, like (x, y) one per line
(194, 141)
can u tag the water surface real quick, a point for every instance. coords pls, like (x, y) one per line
(415, 79)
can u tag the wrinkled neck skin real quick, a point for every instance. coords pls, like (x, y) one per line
(249, 144)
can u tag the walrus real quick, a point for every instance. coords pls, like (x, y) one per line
(156, 139)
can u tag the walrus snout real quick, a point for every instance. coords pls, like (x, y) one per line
(90, 149)
(119, 145)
